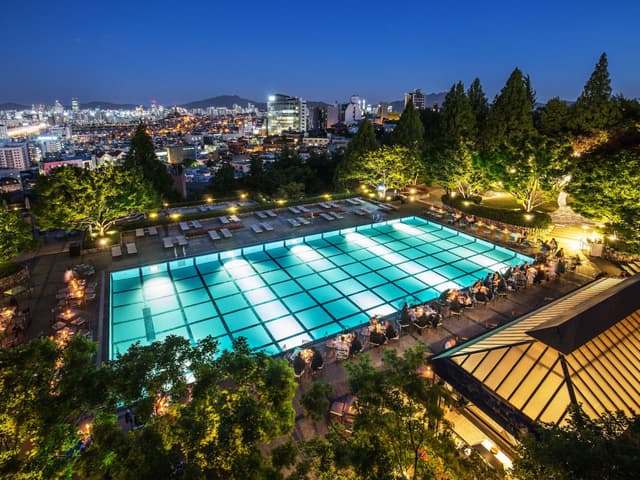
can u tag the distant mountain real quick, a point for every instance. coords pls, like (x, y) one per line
(222, 101)
(13, 106)
(431, 100)
(106, 106)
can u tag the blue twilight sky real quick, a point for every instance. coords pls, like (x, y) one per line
(178, 51)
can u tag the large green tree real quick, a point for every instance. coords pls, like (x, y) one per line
(71, 197)
(44, 393)
(409, 132)
(458, 118)
(589, 449)
(142, 155)
(392, 167)
(594, 108)
(510, 120)
(605, 186)
(363, 142)
(15, 235)
(554, 118)
(479, 105)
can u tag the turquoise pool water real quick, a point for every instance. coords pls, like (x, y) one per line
(282, 294)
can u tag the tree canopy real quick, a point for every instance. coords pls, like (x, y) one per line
(363, 142)
(71, 197)
(15, 235)
(392, 167)
(142, 155)
(409, 132)
(458, 117)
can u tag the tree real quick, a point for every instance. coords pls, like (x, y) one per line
(458, 119)
(554, 118)
(585, 448)
(363, 142)
(78, 198)
(457, 168)
(391, 167)
(46, 390)
(479, 106)
(224, 181)
(409, 132)
(142, 155)
(15, 235)
(593, 108)
(604, 186)
(510, 120)
(316, 401)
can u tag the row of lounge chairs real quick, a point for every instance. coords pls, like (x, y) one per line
(266, 214)
(131, 249)
(259, 228)
(184, 226)
(151, 231)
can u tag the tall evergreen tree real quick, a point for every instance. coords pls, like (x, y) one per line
(594, 108)
(363, 142)
(479, 104)
(141, 154)
(458, 120)
(409, 132)
(510, 118)
(554, 117)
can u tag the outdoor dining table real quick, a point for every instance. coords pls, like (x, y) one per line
(68, 314)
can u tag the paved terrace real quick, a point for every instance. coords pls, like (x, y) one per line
(49, 265)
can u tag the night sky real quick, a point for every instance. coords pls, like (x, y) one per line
(176, 52)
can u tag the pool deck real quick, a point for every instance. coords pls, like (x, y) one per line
(50, 263)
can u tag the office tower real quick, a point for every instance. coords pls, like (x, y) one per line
(419, 99)
(75, 105)
(285, 113)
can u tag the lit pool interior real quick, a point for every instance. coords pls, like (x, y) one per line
(283, 294)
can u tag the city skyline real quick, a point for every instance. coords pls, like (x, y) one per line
(326, 52)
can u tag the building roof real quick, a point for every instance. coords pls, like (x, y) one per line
(583, 348)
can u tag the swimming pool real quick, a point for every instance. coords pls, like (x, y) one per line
(282, 294)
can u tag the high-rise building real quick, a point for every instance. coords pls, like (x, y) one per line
(75, 105)
(419, 99)
(285, 113)
(4, 133)
(58, 108)
(14, 155)
(353, 110)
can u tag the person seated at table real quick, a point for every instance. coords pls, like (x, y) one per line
(405, 316)
(488, 280)
(317, 362)
(482, 293)
(540, 275)
(299, 364)
(355, 347)
(560, 253)
(501, 285)
(389, 330)
(377, 338)
(423, 320)
(553, 245)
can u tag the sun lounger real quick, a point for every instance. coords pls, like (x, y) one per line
(184, 226)
(293, 222)
(234, 218)
(304, 209)
(152, 231)
(267, 226)
(351, 201)
(261, 215)
(336, 215)
(324, 205)
(196, 224)
(182, 240)
(327, 217)
(203, 208)
(256, 228)
(116, 251)
(294, 210)
(303, 221)
(361, 211)
(213, 235)
(131, 248)
(225, 233)
(167, 242)
(271, 213)
(139, 232)
(224, 220)
(333, 205)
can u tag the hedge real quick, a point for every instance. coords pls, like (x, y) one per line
(512, 217)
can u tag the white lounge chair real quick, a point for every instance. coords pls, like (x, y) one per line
(294, 210)
(226, 233)
(139, 232)
(203, 208)
(184, 226)
(333, 205)
(234, 218)
(167, 242)
(267, 226)
(214, 235)
(182, 240)
(327, 217)
(116, 251)
(351, 201)
(261, 215)
(196, 224)
(131, 248)
(293, 222)
(224, 220)
(271, 213)
(324, 205)
(336, 215)
(304, 209)
(256, 228)
(152, 231)
(303, 221)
